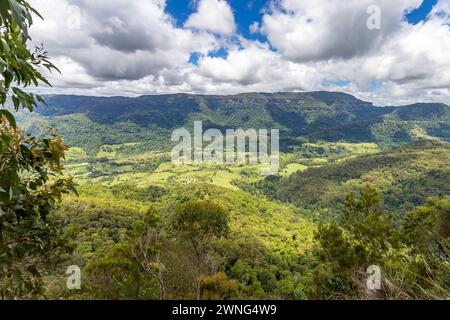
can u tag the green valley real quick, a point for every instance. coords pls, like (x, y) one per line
(333, 145)
(166, 151)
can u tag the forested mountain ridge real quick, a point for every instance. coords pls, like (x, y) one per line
(93, 207)
(284, 237)
(94, 121)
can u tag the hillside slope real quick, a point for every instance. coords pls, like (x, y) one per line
(91, 122)
(406, 177)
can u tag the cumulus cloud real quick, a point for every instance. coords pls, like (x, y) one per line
(214, 16)
(255, 68)
(120, 39)
(134, 47)
(305, 30)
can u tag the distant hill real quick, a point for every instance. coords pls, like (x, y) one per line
(406, 177)
(94, 121)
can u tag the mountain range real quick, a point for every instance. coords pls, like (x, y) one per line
(336, 148)
(330, 116)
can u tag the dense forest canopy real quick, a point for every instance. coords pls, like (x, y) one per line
(280, 228)
(90, 122)
(360, 188)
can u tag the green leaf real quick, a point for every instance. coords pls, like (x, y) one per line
(9, 116)
(6, 139)
(5, 46)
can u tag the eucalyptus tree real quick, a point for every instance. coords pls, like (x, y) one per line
(31, 173)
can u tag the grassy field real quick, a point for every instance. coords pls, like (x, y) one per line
(111, 166)
(282, 229)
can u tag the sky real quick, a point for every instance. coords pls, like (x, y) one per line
(389, 52)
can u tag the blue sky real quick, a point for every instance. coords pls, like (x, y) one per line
(248, 12)
(245, 13)
(422, 12)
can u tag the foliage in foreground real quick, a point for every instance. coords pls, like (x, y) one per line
(31, 180)
(128, 251)
(413, 258)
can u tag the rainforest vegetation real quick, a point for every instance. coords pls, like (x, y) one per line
(88, 181)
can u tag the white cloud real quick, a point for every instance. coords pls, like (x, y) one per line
(441, 11)
(214, 16)
(255, 68)
(132, 47)
(120, 39)
(254, 27)
(304, 30)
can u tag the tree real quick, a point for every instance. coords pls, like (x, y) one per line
(31, 174)
(131, 269)
(372, 227)
(412, 257)
(200, 223)
(365, 236)
(219, 287)
(339, 257)
(429, 226)
(146, 248)
(427, 231)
